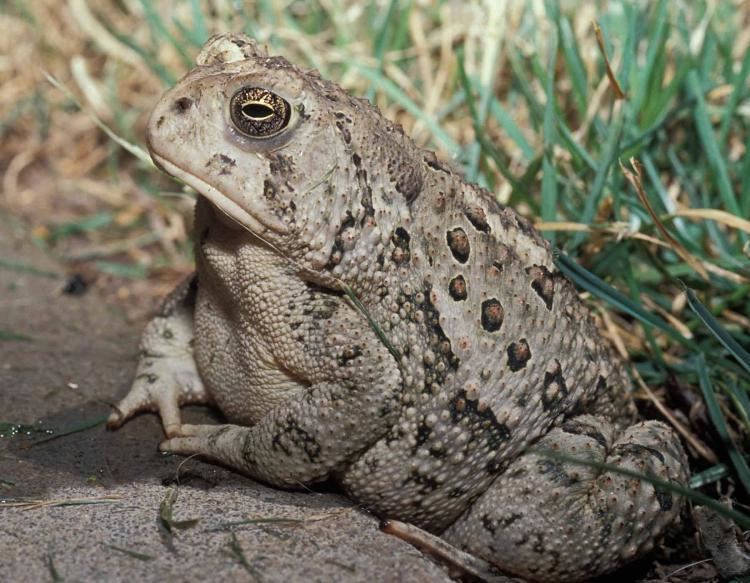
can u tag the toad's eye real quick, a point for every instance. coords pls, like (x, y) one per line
(258, 112)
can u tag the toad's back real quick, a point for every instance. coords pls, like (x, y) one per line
(496, 347)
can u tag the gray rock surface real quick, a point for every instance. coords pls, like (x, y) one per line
(77, 358)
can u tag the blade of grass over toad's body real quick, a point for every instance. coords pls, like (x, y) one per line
(53, 572)
(741, 519)
(373, 324)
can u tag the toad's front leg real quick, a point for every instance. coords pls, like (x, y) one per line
(349, 399)
(166, 376)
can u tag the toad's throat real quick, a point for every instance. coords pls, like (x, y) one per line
(255, 220)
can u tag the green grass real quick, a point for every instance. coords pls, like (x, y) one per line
(550, 141)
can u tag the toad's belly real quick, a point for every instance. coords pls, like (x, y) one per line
(242, 386)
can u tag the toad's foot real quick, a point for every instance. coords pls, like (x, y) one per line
(167, 376)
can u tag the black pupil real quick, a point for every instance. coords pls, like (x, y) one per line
(257, 111)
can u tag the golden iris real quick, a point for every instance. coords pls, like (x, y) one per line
(258, 112)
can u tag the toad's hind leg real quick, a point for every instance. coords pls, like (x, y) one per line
(549, 519)
(167, 376)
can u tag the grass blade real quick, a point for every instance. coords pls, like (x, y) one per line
(166, 513)
(734, 348)
(742, 520)
(511, 128)
(608, 157)
(709, 476)
(711, 146)
(549, 136)
(590, 282)
(78, 427)
(13, 336)
(720, 423)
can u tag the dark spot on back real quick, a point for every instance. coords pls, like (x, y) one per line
(365, 189)
(482, 420)
(488, 524)
(576, 428)
(554, 389)
(664, 499)
(478, 218)
(438, 341)
(401, 252)
(458, 243)
(509, 519)
(527, 229)
(519, 354)
(75, 285)
(406, 177)
(280, 164)
(345, 133)
(543, 283)
(555, 471)
(349, 354)
(492, 315)
(457, 288)
(637, 450)
(433, 162)
(183, 104)
(269, 189)
(315, 289)
(338, 245)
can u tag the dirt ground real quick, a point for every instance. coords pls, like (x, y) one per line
(86, 506)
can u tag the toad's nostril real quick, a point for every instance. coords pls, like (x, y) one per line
(183, 104)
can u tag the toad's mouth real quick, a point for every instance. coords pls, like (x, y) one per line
(257, 222)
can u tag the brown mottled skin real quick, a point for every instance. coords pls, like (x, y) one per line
(490, 356)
